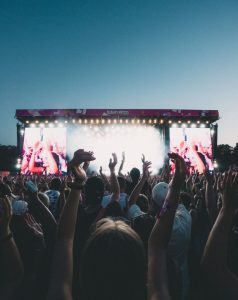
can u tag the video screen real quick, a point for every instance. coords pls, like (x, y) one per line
(133, 140)
(194, 145)
(44, 151)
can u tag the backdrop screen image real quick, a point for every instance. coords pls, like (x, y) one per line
(44, 151)
(194, 145)
(133, 140)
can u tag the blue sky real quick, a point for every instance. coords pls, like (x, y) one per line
(119, 54)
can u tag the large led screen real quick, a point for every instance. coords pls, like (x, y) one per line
(44, 151)
(194, 145)
(133, 140)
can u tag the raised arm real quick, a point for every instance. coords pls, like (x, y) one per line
(62, 266)
(11, 267)
(210, 197)
(115, 189)
(121, 165)
(135, 193)
(214, 261)
(160, 235)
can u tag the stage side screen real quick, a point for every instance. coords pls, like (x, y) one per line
(133, 140)
(194, 145)
(44, 151)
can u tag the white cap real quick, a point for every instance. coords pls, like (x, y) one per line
(159, 193)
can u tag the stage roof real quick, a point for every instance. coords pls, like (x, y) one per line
(29, 114)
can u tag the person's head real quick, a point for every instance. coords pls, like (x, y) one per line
(113, 263)
(143, 203)
(114, 210)
(135, 174)
(122, 183)
(94, 190)
(159, 193)
(55, 184)
(185, 199)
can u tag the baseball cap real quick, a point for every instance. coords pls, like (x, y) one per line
(159, 193)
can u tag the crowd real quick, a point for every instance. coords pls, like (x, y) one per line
(119, 237)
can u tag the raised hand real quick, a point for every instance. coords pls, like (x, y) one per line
(181, 170)
(230, 191)
(146, 169)
(143, 158)
(113, 162)
(81, 156)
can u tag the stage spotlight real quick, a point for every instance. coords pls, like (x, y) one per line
(97, 121)
(85, 121)
(138, 121)
(207, 122)
(46, 121)
(179, 121)
(109, 121)
(103, 121)
(189, 121)
(73, 120)
(198, 122)
(126, 121)
(155, 121)
(56, 121)
(65, 121)
(115, 121)
(161, 121)
(150, 121)
(132, 121)
(143, 121)
(36, 121)
(80, 121)
(120, 121)
(170, 121)
(92, 121)
(27, 122)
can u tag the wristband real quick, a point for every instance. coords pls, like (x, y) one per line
(6, 238)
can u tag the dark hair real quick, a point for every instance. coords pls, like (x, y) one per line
(135, 174)
(55, 183)
(113, 264)
(122, 182)
(114, 210)
(94, 190)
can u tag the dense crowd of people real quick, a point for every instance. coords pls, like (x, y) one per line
(119, 237)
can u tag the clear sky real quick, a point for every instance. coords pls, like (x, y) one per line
(119, 54)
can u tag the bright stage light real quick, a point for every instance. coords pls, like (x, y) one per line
(36, 121)
(132, 139)
(46, 121)
(27, 122)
